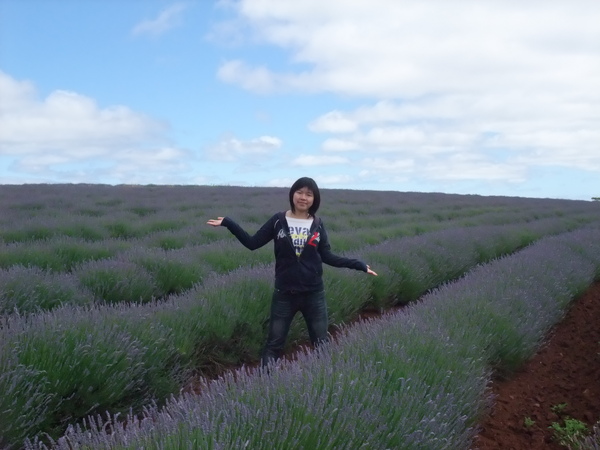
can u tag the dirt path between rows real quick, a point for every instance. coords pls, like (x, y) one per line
(562, 380)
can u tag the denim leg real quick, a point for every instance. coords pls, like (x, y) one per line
(314, 310)
(283, 310)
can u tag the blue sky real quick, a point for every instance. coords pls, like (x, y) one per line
(498, 97)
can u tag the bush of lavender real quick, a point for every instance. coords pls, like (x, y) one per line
(591, 442)
(348, 292)
(28, 289)
(117, 280)
(66, 364)
(524, 296)
(234, 311)
(223, 257)
(23, 404)
(423, 262)
(60, 254)
(172, 271)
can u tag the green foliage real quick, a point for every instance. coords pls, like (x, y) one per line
(82, 231)
(86, 370)
(30, 289)
(121, 230)
(143, 211)
(71, 254)
(91, 212)
(110, 202)
(28, 234)
(170, 242)
(382, 288)
(231, 256)
(24, 403)
(239, 316)
(28, 206)
(528, 422)
(163, 225)
(172, 276)
(59, 255)
(559, 408)
(347, 294)
(115, 281)
(570, 432)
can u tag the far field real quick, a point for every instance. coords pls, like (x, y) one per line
(112, 298)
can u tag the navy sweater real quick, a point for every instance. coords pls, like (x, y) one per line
(293, 273)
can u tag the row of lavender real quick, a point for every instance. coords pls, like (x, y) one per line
(143, 274)
(96, 212)
(174, 217)
(84, 244)
(414, 379)
(122, 217)
(57, 367)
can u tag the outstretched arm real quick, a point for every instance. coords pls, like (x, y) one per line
(262, 236)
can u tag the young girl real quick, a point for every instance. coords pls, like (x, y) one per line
(301, 246)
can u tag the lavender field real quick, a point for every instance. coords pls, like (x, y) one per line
(112, 297)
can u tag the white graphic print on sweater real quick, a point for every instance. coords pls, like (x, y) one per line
(299, 231)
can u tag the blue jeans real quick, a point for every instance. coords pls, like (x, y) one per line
(284, 307)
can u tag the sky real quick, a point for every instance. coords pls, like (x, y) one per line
(489, 97)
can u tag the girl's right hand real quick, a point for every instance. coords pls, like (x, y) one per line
(215, 222)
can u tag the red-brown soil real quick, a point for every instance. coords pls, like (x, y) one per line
(566, 370)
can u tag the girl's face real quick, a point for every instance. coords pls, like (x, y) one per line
(303, 200)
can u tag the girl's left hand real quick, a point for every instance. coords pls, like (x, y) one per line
(215, 222)
(369, 271)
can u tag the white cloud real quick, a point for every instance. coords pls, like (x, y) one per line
(377, 165)
(322, 181)
(167, 19)
(67, 130)
(391, 48)
(258, 79)
(460, 168)
(280, 182)
(333, 122)
(466, 90)
(232, 149)
(335, 180)
(340, 145)
(318, 160)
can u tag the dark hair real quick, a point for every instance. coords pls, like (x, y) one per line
(310, 184)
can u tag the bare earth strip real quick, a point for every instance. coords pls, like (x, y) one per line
(566, 370)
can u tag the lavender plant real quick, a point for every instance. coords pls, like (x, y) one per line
(60, 254)
(23, 404)
(237, 308)
(226, 256)
(117, 280)
(347, 294)
(172, 271)
(29, 289)
(73, 362)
